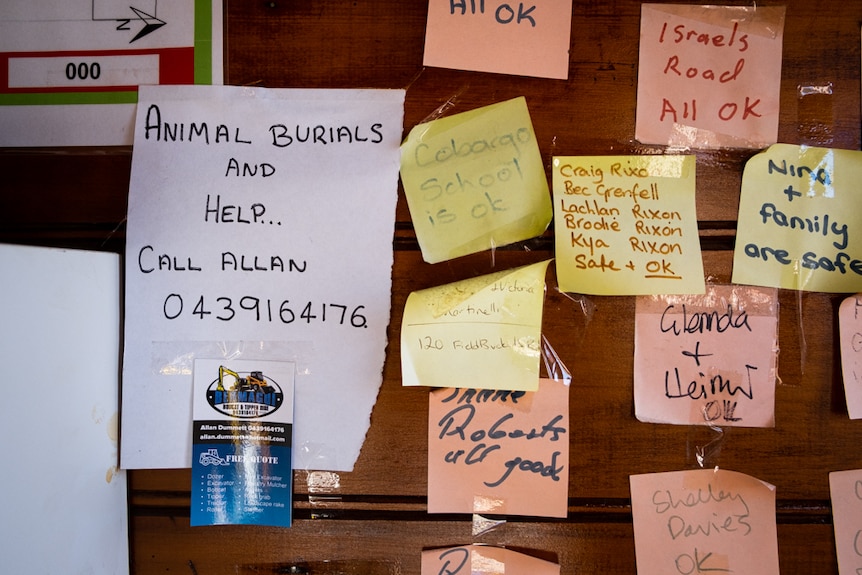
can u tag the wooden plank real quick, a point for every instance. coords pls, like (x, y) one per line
(388, 547)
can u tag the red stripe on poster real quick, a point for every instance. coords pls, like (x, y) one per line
(176, 66)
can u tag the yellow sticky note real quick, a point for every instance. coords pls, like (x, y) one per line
(626, 225)
(527, 39)
(481, 333)
(475, 181)
(704, 521)
(799, 220)
(709, 76)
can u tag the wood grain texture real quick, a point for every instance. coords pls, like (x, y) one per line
(375, 520)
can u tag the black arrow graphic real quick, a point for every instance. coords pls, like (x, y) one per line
(151, 23)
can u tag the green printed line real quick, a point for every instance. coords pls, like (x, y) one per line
(68, 98)
(203, 42)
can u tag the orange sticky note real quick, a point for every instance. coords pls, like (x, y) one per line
(704, 520)
(521, 38)
(846, 492)
(483, 560)
(499, 452)
(850, 329)
(707, 359)
(709, 76)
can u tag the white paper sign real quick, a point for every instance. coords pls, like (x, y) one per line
(259, 227)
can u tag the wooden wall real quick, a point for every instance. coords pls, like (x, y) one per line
(373, 520)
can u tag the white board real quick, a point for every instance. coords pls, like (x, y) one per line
(61, 492)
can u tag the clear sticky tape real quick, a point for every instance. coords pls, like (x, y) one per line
(178, 357)
(815, 119)
(703, 445)
(693, 482)
(803, 342)
(322, 481)
(553, 152)
(825, 89)
(324, 490)
(588, 307)
(443, 108)
(554, 366)
(312, 456)
(483, 525)
(482, 563)
(414, 79)
(683, 138)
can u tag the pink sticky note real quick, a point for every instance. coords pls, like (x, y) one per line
(850, 327)
(709, 76)
(707, 359)
(704, 520)
(521, 38)
(499, 452)
(846, 491)
(483, 560)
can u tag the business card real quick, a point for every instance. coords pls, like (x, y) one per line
(242, 441)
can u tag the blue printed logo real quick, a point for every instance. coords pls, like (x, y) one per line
(246, 395)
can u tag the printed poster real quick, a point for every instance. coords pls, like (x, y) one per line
(709, 76)
(499, 452)
(242, 442)
(259, 227)
(707, 359)
(800, 220)
(626, 225)
(73, 67)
